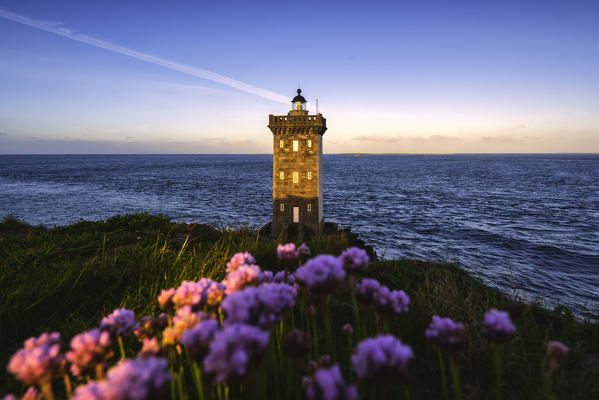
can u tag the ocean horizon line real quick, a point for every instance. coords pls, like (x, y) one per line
(344, 153)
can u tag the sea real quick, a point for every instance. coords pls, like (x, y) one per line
(525, 224)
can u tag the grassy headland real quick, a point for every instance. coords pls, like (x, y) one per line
(66, 279)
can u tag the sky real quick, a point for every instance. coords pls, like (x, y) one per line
(390, 77)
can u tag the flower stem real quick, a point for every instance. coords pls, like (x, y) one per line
(121, 347)
(197, 377)
(47, 390)
(455, 376)
(356, 309)
(99, 371)
(180, 385)
(497, 359)
(327, 324)
(443, 375)
(67, 384)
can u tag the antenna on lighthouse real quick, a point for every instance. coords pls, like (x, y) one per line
(316, 106)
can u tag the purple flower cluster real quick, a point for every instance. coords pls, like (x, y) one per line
(239, 259)
(233, 351)
(366, 289)
(327, 384)
(446, 332)
(322, 274)
(39, 360)
(268, 277)
(381, 358)
(197, 339)
(265, 276)
(121, 322)
(354, 260)
(371, 292)
(303, 253)
(205, 292)
(280, 278)
(391, 301)
(89, 349)
(498, 327)
(139, 379)
(261, 306)
(242, 276)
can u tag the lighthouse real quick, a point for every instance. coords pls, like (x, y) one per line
(297, 166)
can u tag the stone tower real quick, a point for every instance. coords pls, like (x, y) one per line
(297, 183)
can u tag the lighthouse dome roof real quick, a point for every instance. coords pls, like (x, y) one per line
(299, 97)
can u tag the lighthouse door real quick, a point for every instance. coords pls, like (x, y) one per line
(295, 214)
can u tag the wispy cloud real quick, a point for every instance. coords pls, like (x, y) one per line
(435, 139)
(379, 139)
(501, 139)
(3, 134)
(58, 29)
(444, 139)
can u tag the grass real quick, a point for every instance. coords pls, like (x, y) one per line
(66, 279)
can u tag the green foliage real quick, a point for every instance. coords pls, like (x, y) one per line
(67, 278)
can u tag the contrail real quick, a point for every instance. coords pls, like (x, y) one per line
(57, 28)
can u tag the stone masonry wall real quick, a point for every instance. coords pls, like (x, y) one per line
(305, 193)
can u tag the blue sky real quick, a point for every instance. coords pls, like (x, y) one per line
(390, 76)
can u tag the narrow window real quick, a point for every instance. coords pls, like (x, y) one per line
(281, 175)
(295, 177)
(282, 207)
(296, 214)
(280, 143)
(295, 145)
(309, 143)
(309, 175)
(309, 207)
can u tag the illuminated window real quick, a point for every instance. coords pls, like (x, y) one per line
(295, 145)
(309, 175)
(295, 177)
(282, 207)
(309, 207)
(281, 175)
(280, 143)
(309, 143)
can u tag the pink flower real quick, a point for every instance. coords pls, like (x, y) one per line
(89, 349)
(150, 348)
(205, 292)
(39, 360)
(557, 351)
(287, 254)
(239, 259)
(165, 300)
(184, 319)
(241, 277)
